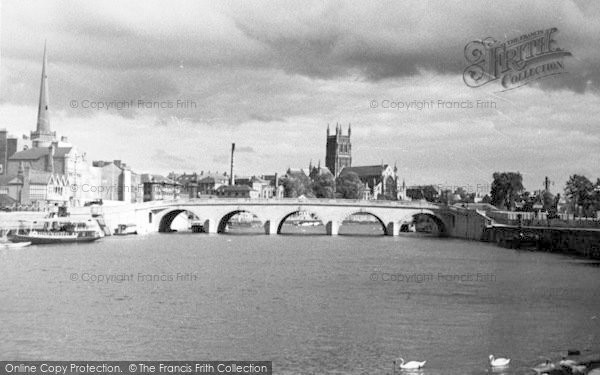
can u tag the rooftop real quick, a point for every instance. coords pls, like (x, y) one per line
(39, 152)
(238, 188)
(367, 170)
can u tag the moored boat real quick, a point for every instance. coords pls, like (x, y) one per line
(125, 229)
(59, 230)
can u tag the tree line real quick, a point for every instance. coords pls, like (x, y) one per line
(581, 195)
(322, 185)
(507, 192)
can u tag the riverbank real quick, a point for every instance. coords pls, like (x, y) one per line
(584, 242)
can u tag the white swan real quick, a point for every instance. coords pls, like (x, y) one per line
(410, 365)
(499, 362)
(567, 362)
(544, 367)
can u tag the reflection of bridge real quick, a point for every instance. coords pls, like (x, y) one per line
(215, 213)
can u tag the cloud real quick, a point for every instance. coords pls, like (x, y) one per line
(245, 149)
(169, 160)
(220, 159)
(265, 118)
(271, 75)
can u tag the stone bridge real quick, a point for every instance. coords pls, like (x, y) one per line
(157, 216)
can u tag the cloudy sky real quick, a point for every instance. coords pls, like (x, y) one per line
(270, 76)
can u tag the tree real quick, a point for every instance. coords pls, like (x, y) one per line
(446, 196)
(324, 186)
(428, 192)
(596, 196)
(297, 184)
(349, 186)
(579, 190)
(470, 198)
(462, 193)
(506, 188)
(527, 200)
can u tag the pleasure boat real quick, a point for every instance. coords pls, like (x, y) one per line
(59, 230)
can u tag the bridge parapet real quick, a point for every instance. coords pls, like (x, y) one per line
(289, 201)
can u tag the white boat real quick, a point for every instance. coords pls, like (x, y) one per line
(59, 230)
(125, 229)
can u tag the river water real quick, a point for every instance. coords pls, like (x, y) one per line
(311, 304)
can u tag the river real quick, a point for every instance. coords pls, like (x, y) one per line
(309, 303)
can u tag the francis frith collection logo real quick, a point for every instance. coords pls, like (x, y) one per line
(515, 62)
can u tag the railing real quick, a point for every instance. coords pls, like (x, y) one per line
(299, 201)
(541, 219)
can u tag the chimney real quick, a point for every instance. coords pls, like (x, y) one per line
(231, 177)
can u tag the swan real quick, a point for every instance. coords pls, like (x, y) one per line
(410, 365)
(499, 362)
(567, 362)
(544, 367)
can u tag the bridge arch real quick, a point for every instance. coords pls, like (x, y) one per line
(222, 226)
(166, 219)
(439, 222)
(312, 213)
(379, 219)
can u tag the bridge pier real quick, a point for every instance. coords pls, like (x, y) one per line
(270, 227)
(392, 229)
(332, 228)
(210, 226)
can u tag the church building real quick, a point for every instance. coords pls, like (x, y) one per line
(339, 150)
(44, 174)
(380, 181)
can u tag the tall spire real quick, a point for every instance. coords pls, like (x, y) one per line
(43, 120)
(43, 136)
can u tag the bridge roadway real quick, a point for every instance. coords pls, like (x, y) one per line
(157, 216)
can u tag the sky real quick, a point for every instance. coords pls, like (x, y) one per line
(188, 78)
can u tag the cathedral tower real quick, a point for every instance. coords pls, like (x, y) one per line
(339, 150)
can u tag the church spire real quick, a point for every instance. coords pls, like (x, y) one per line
(43, 136)
(43, 120)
